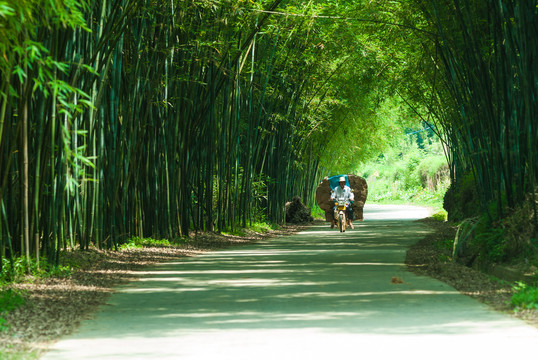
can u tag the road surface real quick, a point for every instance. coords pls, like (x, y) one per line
(318, 294)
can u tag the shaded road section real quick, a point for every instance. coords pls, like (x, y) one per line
(319, 294)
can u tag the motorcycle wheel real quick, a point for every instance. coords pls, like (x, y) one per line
(341, 223)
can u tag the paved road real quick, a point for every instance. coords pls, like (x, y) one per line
(315, 295)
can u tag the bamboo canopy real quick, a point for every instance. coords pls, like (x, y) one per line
(144, 118)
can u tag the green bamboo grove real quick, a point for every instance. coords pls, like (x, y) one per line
(149, 118)
(160, 118)
(487, 55)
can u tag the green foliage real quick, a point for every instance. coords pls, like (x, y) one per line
(413, 170)
(477, 57)
(446, 244)
(9, 300)
(12, 354)
(461, 199)
(136, 242)
(446, 247)
(259, 227)
(502, 234)
(482, 242)
(317, 212)
(241, 112)
(274, 98)
(441, 215)
(491, 241)
(525, 296)
(235, 232)
(21, 269)
(3, 325)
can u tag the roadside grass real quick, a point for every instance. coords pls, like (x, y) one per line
(524, 297)
(9, 300)
(23, 269)
(317, 212)
(10, 354)
(136, 242)
(259, 227)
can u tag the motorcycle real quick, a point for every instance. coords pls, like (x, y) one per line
(340, 216)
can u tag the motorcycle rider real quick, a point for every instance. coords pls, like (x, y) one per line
(343, 191)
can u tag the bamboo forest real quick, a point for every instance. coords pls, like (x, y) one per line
(154, 118)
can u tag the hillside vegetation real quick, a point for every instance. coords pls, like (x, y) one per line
(414, 170)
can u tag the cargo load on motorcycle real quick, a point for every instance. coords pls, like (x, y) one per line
(358, 186)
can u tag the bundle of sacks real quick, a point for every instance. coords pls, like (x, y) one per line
(358, 187)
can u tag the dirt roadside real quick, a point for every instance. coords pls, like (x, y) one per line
(431, 256)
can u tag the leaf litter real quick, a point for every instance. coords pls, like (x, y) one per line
(431, 257)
